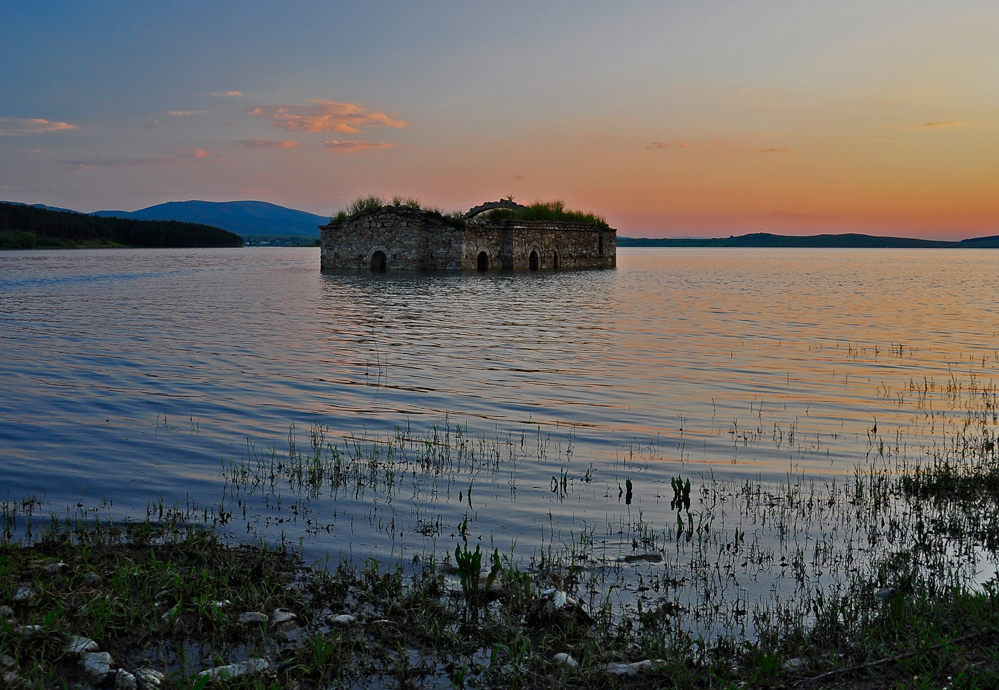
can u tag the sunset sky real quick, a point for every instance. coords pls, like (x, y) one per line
(696, 118)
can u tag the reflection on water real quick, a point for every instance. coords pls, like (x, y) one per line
(130, 375)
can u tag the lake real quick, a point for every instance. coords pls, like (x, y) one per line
(138, 379)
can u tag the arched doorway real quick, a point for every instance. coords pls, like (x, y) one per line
(532, 263)
(554, 261)
(379, 262)
(482, 262)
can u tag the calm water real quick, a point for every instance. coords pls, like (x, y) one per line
(134, 376)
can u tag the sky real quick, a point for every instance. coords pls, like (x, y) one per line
(670, 119)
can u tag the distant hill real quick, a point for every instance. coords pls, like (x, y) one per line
(246, 218)
(28, 227)
(843, 241)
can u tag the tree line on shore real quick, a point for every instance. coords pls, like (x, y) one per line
(28, 227)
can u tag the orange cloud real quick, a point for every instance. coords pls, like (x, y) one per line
(188, 152)
(185, 112)
(32, 125)
(771, 150)
(348, 146)
(946, 125)
(226, 94)
(658, 145)
(324, 116)
(270, 144)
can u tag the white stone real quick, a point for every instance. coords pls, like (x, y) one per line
(340, 620)
(79, 645)
(53, 568)
(149, 678)
(282, 616)
(633, 669)
(563, 659)
(243, 668)
(123, 680)
(253, 618)
(96, 665)
(6, 611)
(23, 594)
(7, 661)
(10, 677)
(28, 630)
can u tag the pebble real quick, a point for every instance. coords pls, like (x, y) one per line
(23, 595)
(253, 618)
(148, 678)
(792, 664)
(123, 680)
(28, 630)
(243, 668)
(563, 659)
(633, 669)
(91, 579)
(341, 619)
(7, 661)
(282, 616)
(79, 645)
(10, 677)
(6, 612)
(53, 568)
(96, 665)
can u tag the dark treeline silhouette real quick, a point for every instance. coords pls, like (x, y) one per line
(25, 227)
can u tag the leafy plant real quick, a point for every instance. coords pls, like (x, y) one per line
(681, 494)
(469, 566)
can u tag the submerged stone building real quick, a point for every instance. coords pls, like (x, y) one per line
(405, 238)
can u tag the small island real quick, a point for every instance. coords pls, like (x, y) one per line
(497, 235)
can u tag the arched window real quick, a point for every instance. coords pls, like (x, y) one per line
(482, 262)
(554, 261)
(379, 262)
(532, 263)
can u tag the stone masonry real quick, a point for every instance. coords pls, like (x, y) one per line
(401, 238)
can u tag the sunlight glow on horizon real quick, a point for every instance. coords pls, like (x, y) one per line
(673, 120)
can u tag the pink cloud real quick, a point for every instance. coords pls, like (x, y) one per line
(226, 94)
(681, 145)
(348, 146)
(185, 112)
(270, 144)
(32, 125)
(324, 116)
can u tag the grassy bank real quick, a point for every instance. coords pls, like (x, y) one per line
(163, 597)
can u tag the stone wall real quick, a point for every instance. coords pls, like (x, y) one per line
(403, 238)
(410, 240)
(562, 246)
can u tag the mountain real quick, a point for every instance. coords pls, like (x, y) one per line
(27, 227)
(246, 218)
